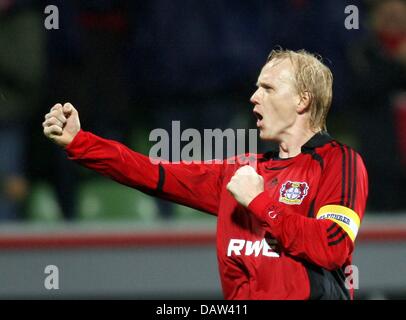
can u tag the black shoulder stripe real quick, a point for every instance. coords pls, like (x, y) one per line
(335, 242)
(318, 158)
(354, 185)
(343, 177)
(310, 214)
(335, 233)
(333, 225)
(161, 179)
(315, 156)
(349, 180)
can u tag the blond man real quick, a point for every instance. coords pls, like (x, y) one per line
(286, 226)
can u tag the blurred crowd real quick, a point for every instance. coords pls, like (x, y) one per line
(132, 66)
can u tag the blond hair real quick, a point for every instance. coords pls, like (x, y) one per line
(312, 76)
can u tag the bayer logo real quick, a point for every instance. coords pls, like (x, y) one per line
(293, 193)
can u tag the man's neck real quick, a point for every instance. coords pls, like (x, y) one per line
(292, 143)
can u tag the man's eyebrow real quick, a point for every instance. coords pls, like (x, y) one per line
(263, 84)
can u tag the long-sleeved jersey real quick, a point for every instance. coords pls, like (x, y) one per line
(296, 238)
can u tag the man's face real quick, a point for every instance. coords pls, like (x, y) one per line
(276, 100)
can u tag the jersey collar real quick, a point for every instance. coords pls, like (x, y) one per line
(319, 139)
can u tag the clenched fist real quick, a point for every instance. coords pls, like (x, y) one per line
(61, 124)
(245, 185)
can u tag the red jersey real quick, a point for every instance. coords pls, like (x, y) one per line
(295, 239)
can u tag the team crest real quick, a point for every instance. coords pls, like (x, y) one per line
(293, 192)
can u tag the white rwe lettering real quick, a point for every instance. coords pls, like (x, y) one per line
(235, 245)
(267, 250)
(251, 247)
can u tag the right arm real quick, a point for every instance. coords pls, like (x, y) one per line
(194, 185)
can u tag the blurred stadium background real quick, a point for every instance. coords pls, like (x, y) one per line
(132, 66)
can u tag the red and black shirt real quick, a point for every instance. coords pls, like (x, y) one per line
(294, 241)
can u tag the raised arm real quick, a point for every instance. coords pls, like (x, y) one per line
(194, 185)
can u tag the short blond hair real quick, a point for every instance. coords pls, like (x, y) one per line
(312, 76)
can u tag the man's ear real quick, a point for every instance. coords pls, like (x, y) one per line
(304, 103)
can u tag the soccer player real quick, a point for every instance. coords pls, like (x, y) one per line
(286, 229)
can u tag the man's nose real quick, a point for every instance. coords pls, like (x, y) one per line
(254, 97)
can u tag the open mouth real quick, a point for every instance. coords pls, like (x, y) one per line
(258, 115)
